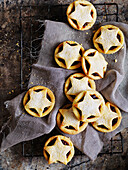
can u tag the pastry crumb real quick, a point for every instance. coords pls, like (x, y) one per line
(31, 82)
(86, 32)
(115, 60)
(123, 47)
(9, 92)
(17, 44)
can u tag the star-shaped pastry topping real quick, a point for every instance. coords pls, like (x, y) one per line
(38, 101)
(108, 38)
(97, 64)
(106, 118)
(69, 118)
(58, 151)
(70, 54)
(89, 106)
(82, 14)
(78, 85)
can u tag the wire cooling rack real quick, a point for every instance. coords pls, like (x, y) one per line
(31, 29)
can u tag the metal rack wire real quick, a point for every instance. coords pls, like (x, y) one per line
(29, 49)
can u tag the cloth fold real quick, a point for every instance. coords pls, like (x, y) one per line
(46, 72)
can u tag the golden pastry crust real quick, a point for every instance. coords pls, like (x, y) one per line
(68, 123)
(108, 39)
(87, 106)
(94, 64)
(77, 83)
(39, 101)
(68, 54)
(110, 119)
(58, 149)
(81, 15)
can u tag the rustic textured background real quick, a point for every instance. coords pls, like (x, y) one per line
(10, 87)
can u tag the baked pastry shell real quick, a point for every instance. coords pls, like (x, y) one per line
(77, 75)
(61, 64)
(113, 127)
(69, 131)
(79, 97)
(62, 138)
(69, 10)
(85, 57)
(51, 95)
(109, 51)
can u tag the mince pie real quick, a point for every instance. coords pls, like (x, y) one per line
(77, 83)
(68, 123)
(68, 54)
(58, 149)
(81, 15)
(87, 106)
(94, 64)
(109, 120)
(39, 101)
(108, 39)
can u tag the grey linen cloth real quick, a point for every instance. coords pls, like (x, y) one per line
(24, 127)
